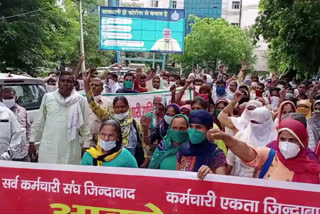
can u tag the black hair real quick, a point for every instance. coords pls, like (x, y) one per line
(114, 76)
(128, 74)
(235, 82)
(221, 82)
(67, 73)
(156, 77)
(120, 98)
(117, 127)
(261, 84)
(143, 76)
(255, 77)
(298, 117)
(243, 100)
(245, 87)
(182, 81)
(200, 101)
(9, 90)
(305, 82)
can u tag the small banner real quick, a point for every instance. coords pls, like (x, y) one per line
(142, 103)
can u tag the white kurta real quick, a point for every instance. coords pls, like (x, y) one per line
(51, 130)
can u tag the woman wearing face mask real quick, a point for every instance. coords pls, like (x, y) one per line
(200, 104)
(274, 98)
(304, 108)
(285, 108)
(298, 117)
(109, 150)
(132, 137)
(238, 123)
(259, 132)
(164, 156)
(158, 133)
(289, 162)
(199, 154)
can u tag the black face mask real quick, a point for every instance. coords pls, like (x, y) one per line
(317, 97)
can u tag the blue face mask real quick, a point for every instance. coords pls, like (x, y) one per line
(168, 119)
(196, 136)
(221, 91)
(107, 145)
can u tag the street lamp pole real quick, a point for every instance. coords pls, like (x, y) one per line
(83, 66)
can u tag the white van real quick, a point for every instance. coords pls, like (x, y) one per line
(29, 91)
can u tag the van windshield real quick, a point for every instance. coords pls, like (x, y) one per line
(28, 96)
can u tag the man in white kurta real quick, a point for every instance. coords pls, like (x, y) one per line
(94, 122)
(167, 43)
(62, 124)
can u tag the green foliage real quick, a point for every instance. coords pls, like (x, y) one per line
(94, 56)
(40, 39)
(292, 30)
(48, 38)
(213, 41)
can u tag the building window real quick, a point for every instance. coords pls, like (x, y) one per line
(236, 24)
(157, 4)
(174, 4)
(236, 5)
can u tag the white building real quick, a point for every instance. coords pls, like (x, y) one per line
(244, 13)
(231, 11)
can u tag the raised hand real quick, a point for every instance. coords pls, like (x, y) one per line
(216, 134)
(173, 89)
(238, 96)
(189, 81)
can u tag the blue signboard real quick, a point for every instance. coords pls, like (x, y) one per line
(142, 29)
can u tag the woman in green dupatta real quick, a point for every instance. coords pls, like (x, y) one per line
(165, 154)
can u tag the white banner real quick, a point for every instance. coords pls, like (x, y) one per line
(142, 103)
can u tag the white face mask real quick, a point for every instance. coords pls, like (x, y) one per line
(111, 83)
(121, 116)
(288, 149)
(107, 145)
(168, 119)
(9, 103)
(171, 84)
(274, 102)
(81, 84)
(289, 96)
(51, 88)
(254, 84)
(165, 84)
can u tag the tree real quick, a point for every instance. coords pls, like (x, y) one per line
(36, 34)
(213, 41)
(49, 36)
(292, 30)
(94, 56)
